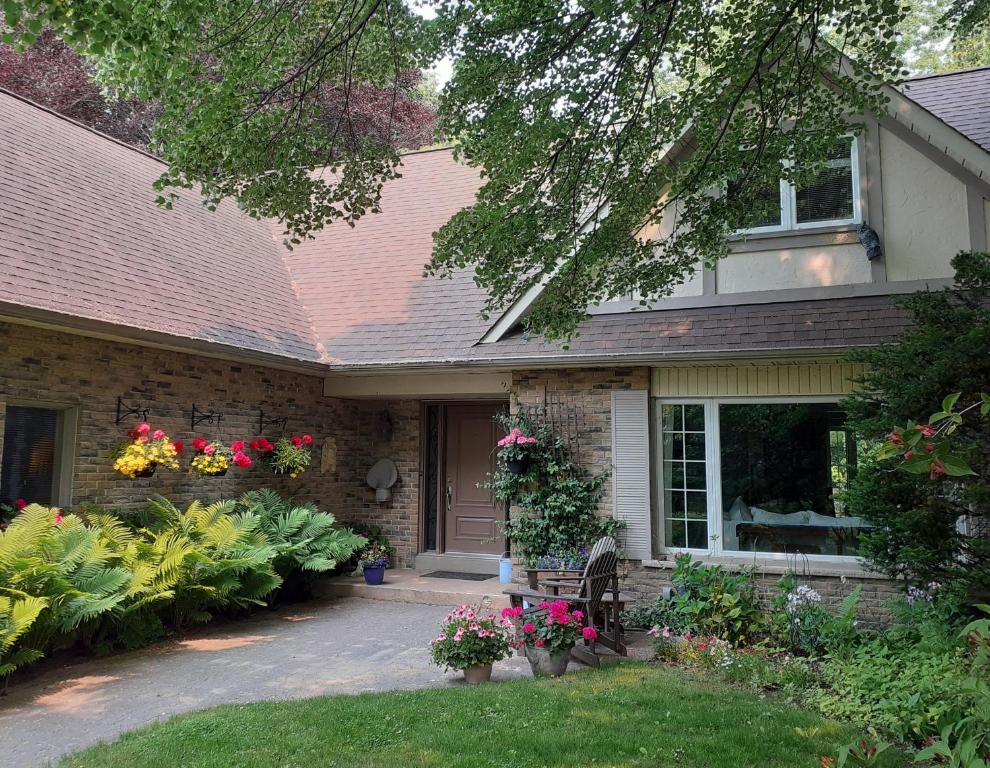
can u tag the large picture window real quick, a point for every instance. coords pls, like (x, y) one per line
(770, 479)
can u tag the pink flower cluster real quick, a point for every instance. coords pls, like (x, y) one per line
(516, 437)
(556, 628)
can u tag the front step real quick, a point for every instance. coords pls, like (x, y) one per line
(408, 586)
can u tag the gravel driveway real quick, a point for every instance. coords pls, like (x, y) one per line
(335, 646)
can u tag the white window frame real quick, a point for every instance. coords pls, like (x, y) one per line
(788, 203)
(713, 477)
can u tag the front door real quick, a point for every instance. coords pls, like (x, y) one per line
(471, 512)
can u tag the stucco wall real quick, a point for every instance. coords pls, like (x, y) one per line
(793, 268)
(924, 208)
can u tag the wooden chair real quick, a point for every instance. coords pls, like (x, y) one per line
(595, 591)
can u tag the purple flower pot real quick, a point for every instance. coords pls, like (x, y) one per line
(374, 575)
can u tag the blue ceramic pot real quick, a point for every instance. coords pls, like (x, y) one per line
(374, 574)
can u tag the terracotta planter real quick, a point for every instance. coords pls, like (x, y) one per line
(479, 673)
(547, 664)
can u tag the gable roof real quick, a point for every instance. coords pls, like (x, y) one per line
(960, 99)
(82, 238)
(363, 286)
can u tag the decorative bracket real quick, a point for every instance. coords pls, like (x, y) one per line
(276, 421)
(124, 411)
(210, 417)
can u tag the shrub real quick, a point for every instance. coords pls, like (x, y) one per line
(916, 534)
(712, 601)
(661, 613)
(902, 690)
(757, 668)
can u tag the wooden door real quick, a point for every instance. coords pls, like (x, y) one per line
(471, 512)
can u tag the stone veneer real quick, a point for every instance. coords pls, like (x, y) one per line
(88, 375)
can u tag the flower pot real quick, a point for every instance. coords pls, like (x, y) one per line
(374, 575)
(545, 663)
(479, 673)
(147, 472)
(517, 466)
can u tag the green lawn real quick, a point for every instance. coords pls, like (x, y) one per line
(623, 715)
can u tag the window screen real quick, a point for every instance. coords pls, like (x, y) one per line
(830, 196)
(27, 472)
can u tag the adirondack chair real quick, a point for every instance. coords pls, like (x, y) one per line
(595, 591)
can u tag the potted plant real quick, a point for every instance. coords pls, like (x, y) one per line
(373, 561)
(287, 455)
(514, 450)
(471, 642)
(548, 639)
(146, 452)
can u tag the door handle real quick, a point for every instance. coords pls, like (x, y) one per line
(450, 493)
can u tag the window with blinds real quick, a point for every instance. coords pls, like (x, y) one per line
(30, 445)
(831, 198)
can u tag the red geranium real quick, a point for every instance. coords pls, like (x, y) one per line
(237, 446)
(296, 441)
(179, 446)
(20, 503)
(307, 439)
(242, 460)
(199, 444)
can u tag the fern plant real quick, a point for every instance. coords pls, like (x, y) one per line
(230, 562)
(306, 541)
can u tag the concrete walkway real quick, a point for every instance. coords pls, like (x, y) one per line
(345, 645)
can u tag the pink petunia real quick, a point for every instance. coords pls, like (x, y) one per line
(210, 450)
(158, 434)
(142, 428)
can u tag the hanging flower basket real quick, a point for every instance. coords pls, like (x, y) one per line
(146, 451)
(514, 449)
(286, 456)
(214, 459)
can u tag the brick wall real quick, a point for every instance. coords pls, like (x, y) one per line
(88, 375)
(591, 389)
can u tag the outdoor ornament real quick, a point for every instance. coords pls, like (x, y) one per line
(382, 477)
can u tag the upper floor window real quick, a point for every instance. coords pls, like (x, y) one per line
(832, 198)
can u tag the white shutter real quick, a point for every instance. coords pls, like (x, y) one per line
(631, 470)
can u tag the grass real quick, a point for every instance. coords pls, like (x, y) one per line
(622, 715)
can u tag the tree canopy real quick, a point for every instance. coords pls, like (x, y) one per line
(591, 120)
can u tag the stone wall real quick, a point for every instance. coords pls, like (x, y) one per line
(88, 375)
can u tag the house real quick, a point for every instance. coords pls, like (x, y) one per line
(715, 409)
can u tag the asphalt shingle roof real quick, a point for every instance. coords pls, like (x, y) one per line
(960, 99)
(81, 235)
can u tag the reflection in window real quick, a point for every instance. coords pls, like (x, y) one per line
(27, 470)
(685, 494)
(781, 468)
(829, 197)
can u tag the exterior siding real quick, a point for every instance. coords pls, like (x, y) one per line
(742, 380)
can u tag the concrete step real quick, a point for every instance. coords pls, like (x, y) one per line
(407, 586)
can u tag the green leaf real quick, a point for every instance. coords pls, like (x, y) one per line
(950, 401)
(955, 466)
